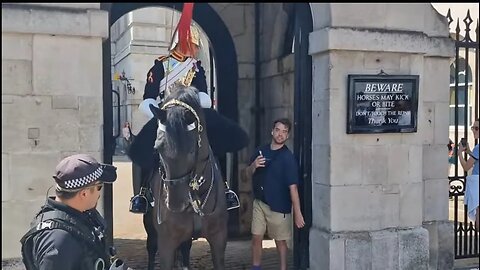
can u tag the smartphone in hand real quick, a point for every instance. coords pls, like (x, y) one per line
(463, 142)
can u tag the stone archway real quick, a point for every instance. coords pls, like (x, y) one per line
(226, 75)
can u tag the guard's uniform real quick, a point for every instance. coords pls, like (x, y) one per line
(62, 238)
(224, 134)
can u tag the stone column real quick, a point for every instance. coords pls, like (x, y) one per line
(51, 102)
(373, 193)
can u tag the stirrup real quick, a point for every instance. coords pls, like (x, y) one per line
(139, 203)
(232, 199)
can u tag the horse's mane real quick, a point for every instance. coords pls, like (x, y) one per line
(177, 139)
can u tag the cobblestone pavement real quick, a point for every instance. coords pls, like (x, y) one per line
(237, 254)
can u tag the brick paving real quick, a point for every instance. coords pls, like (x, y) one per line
(237, 254)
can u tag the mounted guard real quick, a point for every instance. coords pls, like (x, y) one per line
(180, 67)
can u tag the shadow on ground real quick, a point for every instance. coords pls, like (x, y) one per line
(237, 255)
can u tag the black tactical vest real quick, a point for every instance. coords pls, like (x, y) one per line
(88, 237)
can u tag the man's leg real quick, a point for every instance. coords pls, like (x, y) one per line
(282, 250)
(259, 226)
(256, 250)
(477, 220)
(279, 226)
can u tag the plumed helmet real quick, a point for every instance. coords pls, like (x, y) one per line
(194, 38)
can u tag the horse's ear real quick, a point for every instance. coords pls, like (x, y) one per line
(158, 113)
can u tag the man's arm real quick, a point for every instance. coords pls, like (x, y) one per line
(259, 161)
(297, 212)
(466, 164)
(251, 169)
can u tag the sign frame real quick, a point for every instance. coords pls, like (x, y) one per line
(354, 128)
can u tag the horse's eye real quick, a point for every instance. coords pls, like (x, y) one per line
(161, 126)
(192, 126)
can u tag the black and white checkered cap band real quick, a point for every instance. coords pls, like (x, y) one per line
(81, 182)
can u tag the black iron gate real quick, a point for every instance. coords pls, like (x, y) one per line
(464, 111)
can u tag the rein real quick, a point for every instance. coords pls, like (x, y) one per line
(195, 177)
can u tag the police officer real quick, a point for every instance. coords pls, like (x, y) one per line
(68, 232)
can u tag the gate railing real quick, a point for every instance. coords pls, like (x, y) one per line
(464, 96)
(465, 234)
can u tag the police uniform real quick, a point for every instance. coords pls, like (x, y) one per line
(64, 238)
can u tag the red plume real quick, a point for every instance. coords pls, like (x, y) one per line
(184, 34)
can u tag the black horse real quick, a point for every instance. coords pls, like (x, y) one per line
(224, 136)
(191, 193)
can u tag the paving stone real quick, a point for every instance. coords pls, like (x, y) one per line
(237, 254)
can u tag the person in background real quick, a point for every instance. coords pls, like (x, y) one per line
(127, 134)
(471, 184)
(274, 174)
(452, 156)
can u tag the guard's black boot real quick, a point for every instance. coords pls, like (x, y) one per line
(139, 203)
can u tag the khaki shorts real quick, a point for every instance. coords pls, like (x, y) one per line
(278, 225)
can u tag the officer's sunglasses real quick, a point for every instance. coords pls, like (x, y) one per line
(99, 186)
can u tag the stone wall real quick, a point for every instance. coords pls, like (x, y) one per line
(239, 19)
(276, 82)
(373, 193)
(51, 102)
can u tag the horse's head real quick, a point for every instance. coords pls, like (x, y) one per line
(181, 142)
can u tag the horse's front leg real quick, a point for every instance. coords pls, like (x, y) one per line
(152, 239)
(166, 253)
(185, 251)
(218, 243)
